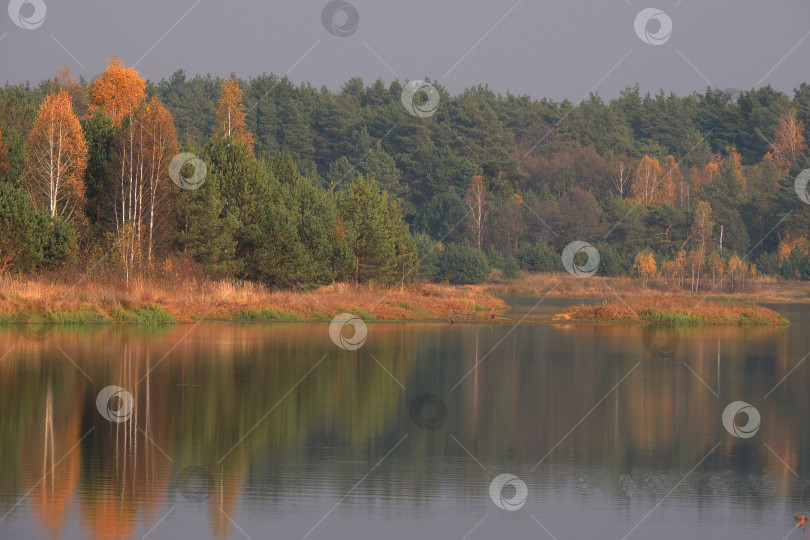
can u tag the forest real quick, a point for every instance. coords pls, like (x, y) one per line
(294, 186)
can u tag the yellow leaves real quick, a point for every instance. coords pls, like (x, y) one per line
(118, 91)
(789, 142)
(57, 158)
(644, 265)
(652, 184)
(231, 115)
(790, 242)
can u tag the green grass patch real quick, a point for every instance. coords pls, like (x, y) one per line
(365, 315)
(671, 317)
(145, 314)
(264, 315)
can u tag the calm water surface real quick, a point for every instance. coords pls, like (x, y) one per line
(272, 431)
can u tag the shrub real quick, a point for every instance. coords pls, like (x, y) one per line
(510, 268)
(538, 257)
(767, 264)
(462, 264)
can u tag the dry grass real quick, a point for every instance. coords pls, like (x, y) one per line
(676, 311)
(564, 285)
(38, 299)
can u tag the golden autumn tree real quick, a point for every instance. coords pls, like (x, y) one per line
(681, 192)
(118, 91)
(146, 145)
(644, 266)
(789, 142)
(702, 177)
(703, 225)
(647, 181)
(791, 241)
(56, 158)
(64, 79)
(231, 115)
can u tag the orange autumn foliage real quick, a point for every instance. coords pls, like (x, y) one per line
(790, 242)
(118, 91)
(789, 142)
(56, 158)
(231, 115)
(652, 184)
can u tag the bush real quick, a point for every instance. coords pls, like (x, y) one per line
(790, 268)
(538, 257)
(495, 258)
(429, 253)
(462, 264)
(510, 268)
(611, 263)
(767, 264)
(20, 236)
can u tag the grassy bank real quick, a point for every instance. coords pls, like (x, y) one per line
(674, 311)
(39, 300)
(564, 285)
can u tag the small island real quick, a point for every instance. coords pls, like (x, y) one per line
(674, 311)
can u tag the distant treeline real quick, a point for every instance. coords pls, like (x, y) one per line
(304, 186)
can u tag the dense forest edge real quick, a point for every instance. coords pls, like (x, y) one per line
(125, 191)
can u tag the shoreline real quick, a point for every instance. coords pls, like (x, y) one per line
(36, 300)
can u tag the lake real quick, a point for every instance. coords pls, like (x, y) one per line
(468, 431)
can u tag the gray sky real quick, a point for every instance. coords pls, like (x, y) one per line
(559, 48)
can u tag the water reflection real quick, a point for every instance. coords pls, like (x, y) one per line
(256, 423)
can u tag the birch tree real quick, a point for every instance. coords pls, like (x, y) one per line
(56, 159)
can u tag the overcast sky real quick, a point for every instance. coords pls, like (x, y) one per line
(555, 48)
